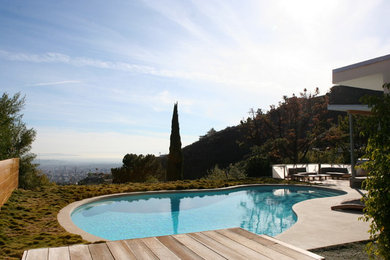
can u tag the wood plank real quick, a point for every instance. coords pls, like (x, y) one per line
(161, 251)
(264, 250)
(6, 181)
(234, 243)
(292, 253)
(247, 252)
(120, 250)
(59, 253)
(100, 251)
(79, 252)
(217, 247)
(6, 164)
(200, 249)
(5, 175)
(37, 254)
(250, 235)
(272, 244)
(305, 252)
(9, 170)
(178, 248)
(24, 257)
(140, 250)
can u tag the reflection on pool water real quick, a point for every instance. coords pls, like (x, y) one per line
(259, 209)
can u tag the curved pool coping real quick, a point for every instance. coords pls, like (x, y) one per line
(65, 220)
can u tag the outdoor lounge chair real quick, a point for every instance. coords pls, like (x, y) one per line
(307, 176)
(355, 205)
(336, 173)
(293, 171)
(301, 174)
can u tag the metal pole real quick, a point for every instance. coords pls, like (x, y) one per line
(352, 182)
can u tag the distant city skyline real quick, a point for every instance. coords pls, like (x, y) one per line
(101, 78)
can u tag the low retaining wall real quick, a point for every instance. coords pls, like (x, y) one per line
(9, 173)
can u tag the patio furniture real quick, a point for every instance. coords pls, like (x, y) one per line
(308, 176)
(292, 171)
(320, 177)
(356, 207)
(336, 173)
(355, 204)
(303, 176)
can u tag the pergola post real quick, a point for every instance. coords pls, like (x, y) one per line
(353, 171)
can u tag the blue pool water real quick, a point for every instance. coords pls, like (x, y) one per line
(259, 209)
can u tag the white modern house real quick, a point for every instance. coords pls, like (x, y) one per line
(366, 77)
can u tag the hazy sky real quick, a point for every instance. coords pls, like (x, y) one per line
(101, 77)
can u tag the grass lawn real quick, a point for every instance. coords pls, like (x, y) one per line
(29, 218)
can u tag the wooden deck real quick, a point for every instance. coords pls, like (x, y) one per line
(233, 243)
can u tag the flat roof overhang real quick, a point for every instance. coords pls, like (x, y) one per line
(370, 74)
(351, 109)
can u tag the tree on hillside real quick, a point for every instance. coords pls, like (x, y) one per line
(16, 140)
(208, 134)
(175, 157)
(335, 142)
(288, 132)
(220, 148)
(138, 168)
(377, 200)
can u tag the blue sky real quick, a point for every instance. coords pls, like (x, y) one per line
(101, 77)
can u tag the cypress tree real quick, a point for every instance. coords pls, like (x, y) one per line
(175, 157)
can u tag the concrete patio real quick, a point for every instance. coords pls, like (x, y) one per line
(319, 226)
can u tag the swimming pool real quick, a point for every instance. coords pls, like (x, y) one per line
(259, 209)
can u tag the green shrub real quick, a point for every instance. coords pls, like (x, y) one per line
(377, 200)
(258, 166)
(217, 174)
(233, 172)
(138, 168)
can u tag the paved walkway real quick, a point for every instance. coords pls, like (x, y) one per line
(233, 243)
(319, 226)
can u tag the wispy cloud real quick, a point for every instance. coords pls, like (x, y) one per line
(53, 57)
(123, 66)
(263, 46)
(64, 82)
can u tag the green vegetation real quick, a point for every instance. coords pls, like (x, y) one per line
(254, 166)
(16, 140)
(300, 129)
(286, 133)
(233, 172)
(220, 148)
(175, 157)
(138, 168)
(208, 134)
(377, 200)
(29, 218)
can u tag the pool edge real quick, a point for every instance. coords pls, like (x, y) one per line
(65, 220)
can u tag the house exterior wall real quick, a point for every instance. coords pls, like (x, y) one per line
(370, 74)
